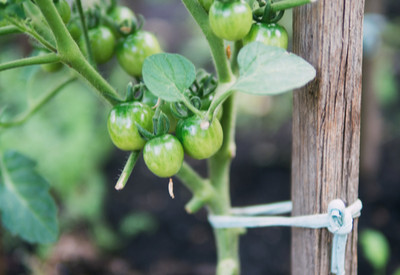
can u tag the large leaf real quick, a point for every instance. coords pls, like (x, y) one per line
(266, 70)
(168, 76)
(27, 209)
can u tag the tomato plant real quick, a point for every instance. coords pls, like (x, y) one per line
(170, 108)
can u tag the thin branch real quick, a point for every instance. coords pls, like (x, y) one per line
(130, 164)
(71, 54)
(85, 32)
(29, 61)
(31, 111)
(200, 187)
(9, 30)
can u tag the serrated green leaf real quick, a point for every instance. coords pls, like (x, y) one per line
(168, 76)
(266, 70)
(27, 209)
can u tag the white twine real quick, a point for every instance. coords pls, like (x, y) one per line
(338, 220)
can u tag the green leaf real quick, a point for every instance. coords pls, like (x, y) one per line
(375, 247)
(168, 76)
(27, 209)
(266, 70)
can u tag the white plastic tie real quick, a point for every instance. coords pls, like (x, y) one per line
(338, 220)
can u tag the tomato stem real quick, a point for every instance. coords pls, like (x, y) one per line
(128, 168)
(282, 5)
(29, 61)
(85, 33)
(22, 27)
(201, 188)
(216, 44)
(70, 53)
(9, 30)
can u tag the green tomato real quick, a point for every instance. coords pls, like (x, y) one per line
(163, 155)
(102, 42)
(199, 143)
(75, 30)
(230, 20)
(124, 18)
(64, 10)
(133, 50)
(206, 4)
(122, 125)
(270, 34)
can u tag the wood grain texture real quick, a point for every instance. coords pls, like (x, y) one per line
(326, 126)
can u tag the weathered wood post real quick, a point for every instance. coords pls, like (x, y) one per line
(326, 126)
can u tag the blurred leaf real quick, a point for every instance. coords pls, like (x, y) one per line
(375, 248)
(69, 128)
(105, 237)
(397, 271)
(27, 207)
(266, 70)
(385, 82)
(168, 76)
(137, 223)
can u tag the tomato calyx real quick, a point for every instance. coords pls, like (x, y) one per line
(161, 125)
(267, 15)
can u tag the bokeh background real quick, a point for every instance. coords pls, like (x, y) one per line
(141, 230)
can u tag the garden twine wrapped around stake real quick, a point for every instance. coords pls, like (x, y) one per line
(338, 220)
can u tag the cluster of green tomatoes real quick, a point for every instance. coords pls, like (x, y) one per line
(234, 20)
(165, 131)
(113, 31)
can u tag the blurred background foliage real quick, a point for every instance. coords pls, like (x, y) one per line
(140, 230)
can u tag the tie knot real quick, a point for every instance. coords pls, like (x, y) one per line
(340, 218)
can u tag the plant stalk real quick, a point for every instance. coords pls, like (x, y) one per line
(216, 44)
(35, 60)
(227, 240)
(71, 54)
(85, 32)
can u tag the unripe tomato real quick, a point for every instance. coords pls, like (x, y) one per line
(121, 15)
(122, 125)
(75, 30)
(206, 4)
(102, 42)
(199, 143)
(163, 155)
(64, 10)
(270, 34)
(133, 50)
(230, 20)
